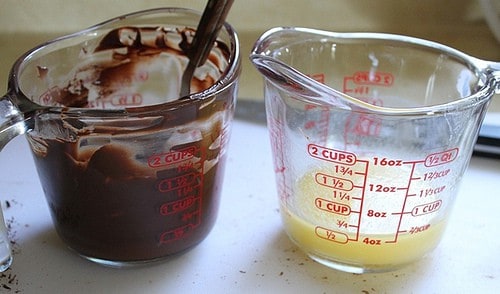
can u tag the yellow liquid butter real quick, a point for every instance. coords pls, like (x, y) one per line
(369, 251)
(333, 226)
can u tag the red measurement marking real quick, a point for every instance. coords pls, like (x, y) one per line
(332, 155)
(441, 157)
(342, 224)
(376, 214)
(341, 195)
(343, 170)
(330, 235)
(130, 99)
(383, 189)
(175, 234)
(373, 78)
(364, 125)
(47, 98)
(435, 175)
(142, 76)
(277, 143)
(426, 208)
(387, 162)
(177, 206)
(361, 83)
(431, 191)
(334, 182)
(172, 157)
(310, 125)
(320, 124)
(358, 126)
(370, 241)
(319, 77)
(170, 184)
(419, 229)
(333, 207)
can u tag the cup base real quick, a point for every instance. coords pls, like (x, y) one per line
(354, 268)
(125, 264)
(5, 264)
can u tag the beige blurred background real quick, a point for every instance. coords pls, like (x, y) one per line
(458, 23)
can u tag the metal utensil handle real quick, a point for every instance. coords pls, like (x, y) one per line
(211, 21)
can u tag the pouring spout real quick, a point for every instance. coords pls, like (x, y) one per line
(291, 80)
(284, 75)
(276, 54)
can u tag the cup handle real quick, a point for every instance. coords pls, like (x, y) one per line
(493, 69)
(5, 250)
(11, 121)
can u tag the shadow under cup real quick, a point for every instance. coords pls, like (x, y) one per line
(131, 173)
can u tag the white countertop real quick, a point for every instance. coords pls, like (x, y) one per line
(247, 251)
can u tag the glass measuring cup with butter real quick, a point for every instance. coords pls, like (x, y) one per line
(371, 135)
(131, 172)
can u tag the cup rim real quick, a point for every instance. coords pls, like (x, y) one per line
(486, 71)
(229, 76)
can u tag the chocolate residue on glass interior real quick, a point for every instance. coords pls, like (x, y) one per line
(133, 188)
(128, 59)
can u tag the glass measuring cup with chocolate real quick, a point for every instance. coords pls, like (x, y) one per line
(131, 172)
(371, 135)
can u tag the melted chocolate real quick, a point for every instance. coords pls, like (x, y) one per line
(136, 188)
